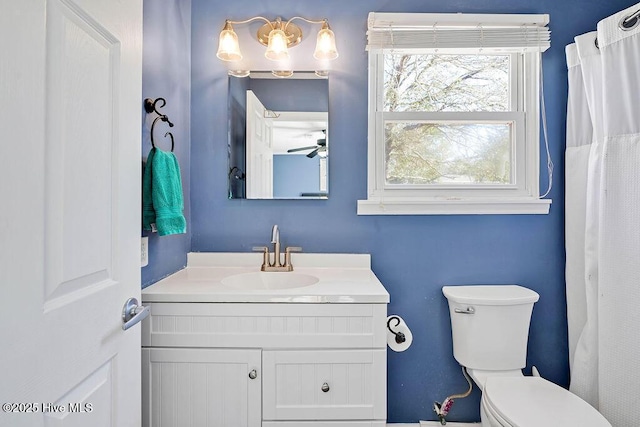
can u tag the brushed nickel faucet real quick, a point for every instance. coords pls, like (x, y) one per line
(275, 239)
(277, 264)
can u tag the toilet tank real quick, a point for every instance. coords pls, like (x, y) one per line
(490, 325)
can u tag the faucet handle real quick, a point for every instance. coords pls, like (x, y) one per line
(287, 256)
(265, 255)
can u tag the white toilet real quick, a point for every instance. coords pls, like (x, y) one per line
(490, 329)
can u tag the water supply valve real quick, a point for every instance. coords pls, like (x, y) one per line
(442, 409)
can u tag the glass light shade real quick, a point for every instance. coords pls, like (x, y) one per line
(277, 49)
(325, 45)
(283, 74)
(228, 47)
(239, 73)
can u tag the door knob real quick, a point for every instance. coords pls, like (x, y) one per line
(253, 374)
(133, 313)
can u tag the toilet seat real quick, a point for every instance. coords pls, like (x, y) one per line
(490, 416)
(534, 402)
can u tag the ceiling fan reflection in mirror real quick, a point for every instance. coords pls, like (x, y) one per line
(319, 149)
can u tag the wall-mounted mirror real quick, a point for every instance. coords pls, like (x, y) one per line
(278, 136)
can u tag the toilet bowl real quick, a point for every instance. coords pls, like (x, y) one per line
(490, 328)
(534, 402)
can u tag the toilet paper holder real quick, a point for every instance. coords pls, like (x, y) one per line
(400, 338)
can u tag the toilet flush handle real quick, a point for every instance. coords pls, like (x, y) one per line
(468, 310)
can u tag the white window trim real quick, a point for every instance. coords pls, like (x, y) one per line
(521, 198)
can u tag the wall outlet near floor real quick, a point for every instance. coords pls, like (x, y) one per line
(144, 251)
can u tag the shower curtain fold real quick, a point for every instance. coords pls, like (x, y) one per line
(585, 363)
(603, 190)
(579, 139)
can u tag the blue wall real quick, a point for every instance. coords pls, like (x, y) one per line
(414, 256)
(166, 70)
(295, 174)
(292, 95)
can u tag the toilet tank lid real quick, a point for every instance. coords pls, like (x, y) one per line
(490, 294)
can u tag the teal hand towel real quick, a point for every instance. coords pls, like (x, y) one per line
(162, 201)
(148, 214)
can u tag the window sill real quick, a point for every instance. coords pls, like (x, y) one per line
(516, 206)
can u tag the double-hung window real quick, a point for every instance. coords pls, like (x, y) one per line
(454, 113)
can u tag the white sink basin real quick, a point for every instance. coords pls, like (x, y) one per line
(269, 280)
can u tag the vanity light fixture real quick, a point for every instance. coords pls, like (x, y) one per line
(278, 37)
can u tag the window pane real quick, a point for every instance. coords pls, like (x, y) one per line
(436, 82)
(447, 154)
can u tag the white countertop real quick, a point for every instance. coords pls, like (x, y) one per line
(342, 278)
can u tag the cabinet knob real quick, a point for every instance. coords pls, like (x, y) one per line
(325, 387)
(253, 374)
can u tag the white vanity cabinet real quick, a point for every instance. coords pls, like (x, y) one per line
(270, 359)
(275, 365)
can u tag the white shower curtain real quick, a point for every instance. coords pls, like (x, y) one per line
(603, 218)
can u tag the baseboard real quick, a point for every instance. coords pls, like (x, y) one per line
(435, 424)
(450, 424)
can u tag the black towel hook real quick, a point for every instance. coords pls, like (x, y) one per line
(151, 107)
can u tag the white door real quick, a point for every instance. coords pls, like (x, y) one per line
(70, 109)
(259, 150)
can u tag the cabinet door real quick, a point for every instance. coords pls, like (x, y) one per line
(201, 387)
(324, 385)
